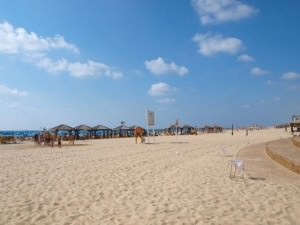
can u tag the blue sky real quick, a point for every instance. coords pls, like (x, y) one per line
(105, 61)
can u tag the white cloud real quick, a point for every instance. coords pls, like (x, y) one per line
(166, 100)
(218, 11)
(256, 71)
(246, 58)
(36, 50)
(19, 41)
(210, 45)
(12, 91)
(78, 69)
(51, 66)
(160, 89)
(159, 66)
(290, 76)
(270, 82)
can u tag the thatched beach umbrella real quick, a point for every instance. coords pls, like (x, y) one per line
(106, 130)
(62, 127)
(82, 127)
(122, 130)
(173, 129)
(187, 129)
(212, 129)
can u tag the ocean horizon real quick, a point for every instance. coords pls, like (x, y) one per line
(19, 133)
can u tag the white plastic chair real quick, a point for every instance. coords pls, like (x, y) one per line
(236, 168)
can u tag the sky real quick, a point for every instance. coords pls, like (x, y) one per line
(203, 62)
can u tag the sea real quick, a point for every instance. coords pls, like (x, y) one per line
(31, 133)
(19, 133)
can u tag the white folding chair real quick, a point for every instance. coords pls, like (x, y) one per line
(236, 168)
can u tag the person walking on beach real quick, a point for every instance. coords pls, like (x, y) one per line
(59, 141)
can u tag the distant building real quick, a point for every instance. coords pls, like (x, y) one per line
(212, 129)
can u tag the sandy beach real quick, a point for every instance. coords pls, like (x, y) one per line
(181, 180)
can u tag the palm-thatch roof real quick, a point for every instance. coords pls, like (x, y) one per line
(83, 127)
(186, 126)
(63, 127)
(101, 127)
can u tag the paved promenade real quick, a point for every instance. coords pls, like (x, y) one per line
(259, 165)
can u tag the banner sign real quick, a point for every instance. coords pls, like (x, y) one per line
(150, 118)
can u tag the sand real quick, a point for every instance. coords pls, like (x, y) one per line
(115, 181)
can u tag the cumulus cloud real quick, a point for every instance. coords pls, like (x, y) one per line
(36, 50)
(159, 66)
(162, 92)
(256, 71)
(78, 69)
(210, 45)
(160, 89)
(290, 76)
(219, 11)
(19, 41)
(246, 58)
(12, 91)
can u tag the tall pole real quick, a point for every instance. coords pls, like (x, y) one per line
(177, 128)
(147, 125)
(153, 134)
(232, 129)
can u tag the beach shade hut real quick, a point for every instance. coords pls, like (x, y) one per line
(122, 131)
(62, 127)
(218, 129)
(82, 127)
(173, 129)
(105, 131)
(187, 129)
(212, 129)
(295, 124)
(207, 129)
